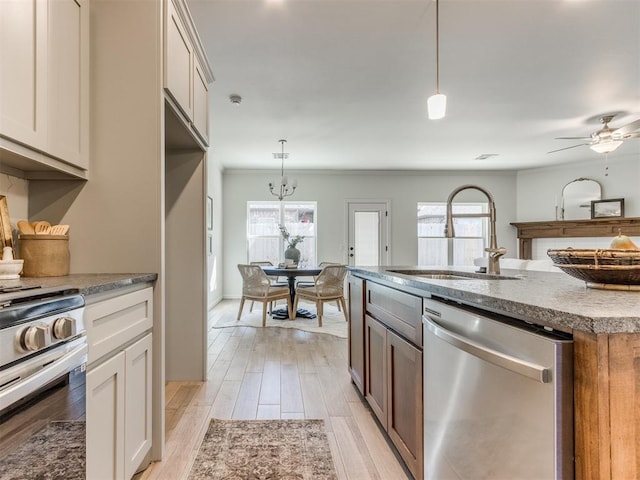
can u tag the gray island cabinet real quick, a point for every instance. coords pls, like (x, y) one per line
(605, 325)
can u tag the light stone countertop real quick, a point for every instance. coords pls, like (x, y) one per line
(552, 299)
(87, 283)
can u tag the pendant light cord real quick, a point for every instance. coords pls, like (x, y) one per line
(437, 46)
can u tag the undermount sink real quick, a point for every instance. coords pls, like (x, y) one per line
(452, 275)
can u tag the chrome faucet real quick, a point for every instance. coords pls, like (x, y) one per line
(494, 251)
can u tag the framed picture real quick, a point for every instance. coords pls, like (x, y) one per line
(611, 207)
(209, 213)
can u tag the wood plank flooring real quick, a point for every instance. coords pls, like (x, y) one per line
(265, 373)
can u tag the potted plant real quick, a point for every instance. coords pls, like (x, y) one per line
(291, 253)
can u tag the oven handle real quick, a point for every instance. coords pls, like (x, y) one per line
(517, 365)
(64, 364)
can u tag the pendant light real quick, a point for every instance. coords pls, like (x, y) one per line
(437, 104)
(285, 189)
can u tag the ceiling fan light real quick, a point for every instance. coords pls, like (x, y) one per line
(437, 106)
(606, 147)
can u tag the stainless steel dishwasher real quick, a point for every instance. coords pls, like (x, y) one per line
(498, 397)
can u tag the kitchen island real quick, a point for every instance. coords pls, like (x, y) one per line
(605, 326)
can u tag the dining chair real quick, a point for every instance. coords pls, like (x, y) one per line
(275, 282)
(307, 283)
(257, 287)
(328, 286)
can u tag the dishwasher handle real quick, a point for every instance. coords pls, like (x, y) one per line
(517, 365)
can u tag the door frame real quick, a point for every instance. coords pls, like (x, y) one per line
(385, 228)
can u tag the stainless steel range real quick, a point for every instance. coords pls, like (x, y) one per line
(42, 337)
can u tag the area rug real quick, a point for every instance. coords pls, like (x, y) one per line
(264, 450)
(56, 452)
(333, 321)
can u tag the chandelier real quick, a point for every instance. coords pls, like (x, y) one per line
(285, 189)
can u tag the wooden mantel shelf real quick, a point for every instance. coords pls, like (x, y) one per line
(598, 227)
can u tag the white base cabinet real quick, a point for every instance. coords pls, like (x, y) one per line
(119, 382)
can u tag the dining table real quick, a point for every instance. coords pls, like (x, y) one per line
(291, 274)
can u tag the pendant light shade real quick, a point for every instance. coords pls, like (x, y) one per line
(437, 106)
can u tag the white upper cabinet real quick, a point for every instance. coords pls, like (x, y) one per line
(68, 73)
(23, 75)
(187, 73)
(44, 80)
(179, 64)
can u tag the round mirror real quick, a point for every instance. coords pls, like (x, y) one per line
(577, 196)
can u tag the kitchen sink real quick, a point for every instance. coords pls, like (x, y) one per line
(453, 275)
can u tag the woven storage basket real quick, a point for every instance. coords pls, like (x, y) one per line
(45, 255)
(600, 268)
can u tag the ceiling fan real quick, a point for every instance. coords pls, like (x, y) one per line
(606, 139)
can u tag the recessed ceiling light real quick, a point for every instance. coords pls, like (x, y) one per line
(484, 156)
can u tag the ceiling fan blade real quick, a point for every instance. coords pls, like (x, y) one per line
(567, 148)
(573, 138)
(628, 128)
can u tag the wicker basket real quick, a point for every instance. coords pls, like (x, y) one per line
(600, 268)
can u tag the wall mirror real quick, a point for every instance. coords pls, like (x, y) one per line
(577, 196)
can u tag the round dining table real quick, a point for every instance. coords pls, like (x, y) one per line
(291, 274)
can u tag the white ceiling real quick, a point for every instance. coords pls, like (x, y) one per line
(346, 81)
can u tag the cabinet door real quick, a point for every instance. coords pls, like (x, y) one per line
(105, 419)
(179, 62)
(404, 404)
(201, 103)
(356, 332)
(68, 85)
(376, 368)
(137, 404)
(23, 71)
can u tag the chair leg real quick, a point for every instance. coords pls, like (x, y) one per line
(292, 316)
(344, 309)
(251, 307)
(338, 305)
(294, 309)
(319, 312)
(264, 314)
(241, 305)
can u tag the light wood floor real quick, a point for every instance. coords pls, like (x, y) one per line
(263, 373)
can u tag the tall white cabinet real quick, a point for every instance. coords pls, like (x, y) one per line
(142, 210)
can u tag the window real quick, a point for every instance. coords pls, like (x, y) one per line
(471, 234)
(264, 241)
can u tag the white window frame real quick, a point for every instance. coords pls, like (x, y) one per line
(282, 206)
(450, 241)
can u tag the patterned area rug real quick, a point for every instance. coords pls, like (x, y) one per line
(264, 450)
(333, 321)
(56, 452)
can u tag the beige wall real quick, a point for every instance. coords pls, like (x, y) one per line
(331, 190)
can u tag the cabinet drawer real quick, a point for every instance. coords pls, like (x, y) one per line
(400, 311)
(113, 322)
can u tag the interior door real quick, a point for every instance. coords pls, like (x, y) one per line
(368, 234)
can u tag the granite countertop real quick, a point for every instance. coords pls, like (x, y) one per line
(552, 299)
(87, 283)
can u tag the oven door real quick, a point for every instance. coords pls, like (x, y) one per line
(42, 414)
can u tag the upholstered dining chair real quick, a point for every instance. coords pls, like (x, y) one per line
(257, 287)
(275, 282)
(328, 286)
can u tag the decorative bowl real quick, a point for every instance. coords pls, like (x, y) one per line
(600, 268)
(10, 269)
